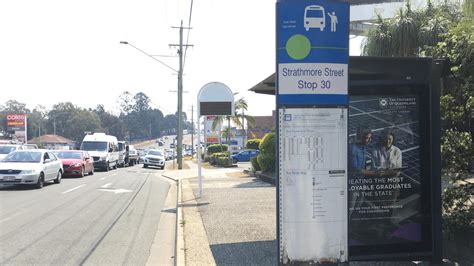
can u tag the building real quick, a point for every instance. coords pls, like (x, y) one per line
(263, 125)
(53, 142)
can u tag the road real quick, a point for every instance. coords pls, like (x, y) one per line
(107, 218)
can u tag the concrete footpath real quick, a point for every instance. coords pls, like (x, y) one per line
(232, 223)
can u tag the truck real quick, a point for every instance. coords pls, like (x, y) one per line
(133, 157)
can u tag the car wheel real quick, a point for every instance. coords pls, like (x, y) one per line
(40, 183)
(145, 165)
(234, 160)
(83, 172)
(92, 171)
(58, 177)
(107, 167)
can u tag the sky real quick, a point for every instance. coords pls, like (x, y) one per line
(55, 51)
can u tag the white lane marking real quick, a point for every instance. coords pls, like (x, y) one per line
(106, 185)
(116, 191)
(9, 218)
(72, 189)
(102, 178)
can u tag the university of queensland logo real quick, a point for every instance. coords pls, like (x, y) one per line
(383, 102)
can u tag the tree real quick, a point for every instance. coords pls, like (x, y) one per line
(444, 31)
(239, 118)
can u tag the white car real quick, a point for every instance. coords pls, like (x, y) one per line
(5, 149)
(154, 158)
(30, 167)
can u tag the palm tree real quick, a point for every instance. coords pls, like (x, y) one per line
(409, 32)
(239, 119)
(240, 108)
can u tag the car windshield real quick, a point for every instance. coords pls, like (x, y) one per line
(158, 153)
(69, 155)
(6, 149)
(94, 146)
(23, 157)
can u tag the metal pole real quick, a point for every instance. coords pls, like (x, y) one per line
(199, 150)
(192, 131)
(180, 99)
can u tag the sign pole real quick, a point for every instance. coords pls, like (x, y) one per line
(199, 150)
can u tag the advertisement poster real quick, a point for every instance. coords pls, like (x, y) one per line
(384, 170)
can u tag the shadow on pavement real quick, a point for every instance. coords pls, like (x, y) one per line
(246, 253)
(187, 205)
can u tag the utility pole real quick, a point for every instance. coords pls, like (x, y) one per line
(180, 97)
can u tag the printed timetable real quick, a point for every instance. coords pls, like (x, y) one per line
(313, 176)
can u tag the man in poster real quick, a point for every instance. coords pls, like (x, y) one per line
(384, 193)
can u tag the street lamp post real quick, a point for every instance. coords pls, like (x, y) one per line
(180, 93)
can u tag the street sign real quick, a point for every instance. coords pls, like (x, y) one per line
(312, 99)
(312, 52)
(214, 99)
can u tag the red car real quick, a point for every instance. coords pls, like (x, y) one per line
(76, 162)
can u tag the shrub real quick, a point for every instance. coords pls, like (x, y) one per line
(266, 162)
(213, 159)
(217, 148)
(255, 165)
(268, 143)
(253, 144)
(224, 161)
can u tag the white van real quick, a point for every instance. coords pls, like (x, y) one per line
(103, 148)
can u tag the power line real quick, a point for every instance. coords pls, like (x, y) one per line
(189, 26)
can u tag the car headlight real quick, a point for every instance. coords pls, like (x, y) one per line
(75, 165)
(102, 158)
(28, 172)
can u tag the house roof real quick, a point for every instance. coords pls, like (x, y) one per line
(51, 139)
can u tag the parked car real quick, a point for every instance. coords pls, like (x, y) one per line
(31, 167)
(76, 162)
(244, 156)
(154, 158)
(30, 146)
(5, 149)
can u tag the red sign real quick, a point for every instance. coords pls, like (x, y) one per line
(16, 120)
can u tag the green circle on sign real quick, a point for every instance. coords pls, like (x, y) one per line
(298, 46)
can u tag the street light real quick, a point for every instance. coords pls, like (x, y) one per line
(180, 97)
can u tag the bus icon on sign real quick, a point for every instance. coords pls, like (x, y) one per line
(314, 17)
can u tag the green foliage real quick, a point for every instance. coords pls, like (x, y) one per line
(268, 144)
(457, 149)
(458, 210)
(266, 162)
(267, 157)
(253, 144)
(214, 158)
(136, 121)
(444, 31)
(217, 148)
(255, 165)
(224, 161)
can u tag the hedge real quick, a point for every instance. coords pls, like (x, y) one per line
(253, 144)
(216, 148)
(255, 165)
(267, 157)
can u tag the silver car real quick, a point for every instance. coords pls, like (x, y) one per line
(30, 167)
(154, 158)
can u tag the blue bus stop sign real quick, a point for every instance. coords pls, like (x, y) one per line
(312, 52)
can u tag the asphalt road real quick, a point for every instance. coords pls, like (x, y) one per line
(109, 218)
